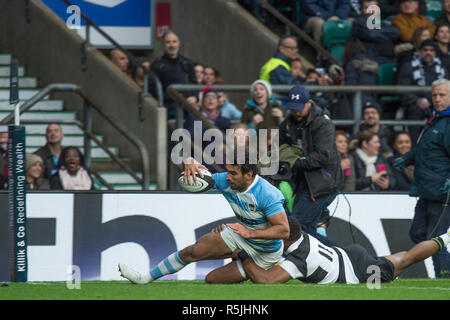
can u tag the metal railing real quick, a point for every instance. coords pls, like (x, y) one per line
(131, 57)
(90, 105)
(175, 92)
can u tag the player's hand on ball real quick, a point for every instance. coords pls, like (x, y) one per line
(191, 167)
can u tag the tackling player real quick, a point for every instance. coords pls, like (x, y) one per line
(261, 224)
(308, 260)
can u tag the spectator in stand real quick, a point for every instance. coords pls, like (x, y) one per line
(210, 108)
(371, 113)
(442, 37)
(401, 144)
(71, 174)
(409, 19)
(173, 68)
(51, 152)
(228, 109)
(390, 8)
(445, 17)
(262, 111)
(379, 43)
(297, 70)
(347, 166)
(199, 70)
(406, 51)
(35, 173)
(138, 71)
(359, 69)
(314, 13)
(211, 76)
(277, 70)
(372, 171)
(422, 70)
(312, 76)
(120, 59)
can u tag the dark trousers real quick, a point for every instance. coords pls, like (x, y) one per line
(308, 212)
(426, 217)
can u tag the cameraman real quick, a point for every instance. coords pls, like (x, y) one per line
(316, 172)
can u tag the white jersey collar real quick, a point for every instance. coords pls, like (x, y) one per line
(294, 246)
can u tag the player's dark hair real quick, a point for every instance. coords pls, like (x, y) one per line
(295, 229)
(247, 166)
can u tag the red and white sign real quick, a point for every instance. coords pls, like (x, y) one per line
(163, 22)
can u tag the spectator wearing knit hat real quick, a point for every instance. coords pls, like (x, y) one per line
(262, 111)
(35, 173)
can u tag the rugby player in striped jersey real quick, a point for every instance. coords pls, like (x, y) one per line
(261, 224)
(308, 260)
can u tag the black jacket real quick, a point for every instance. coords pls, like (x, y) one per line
(365, 183)
(321, 163)
(173, 71)
(47, 156)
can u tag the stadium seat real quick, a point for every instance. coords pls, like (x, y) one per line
(386, 77)
(434, 8)
(287, 8)
(337, 51)
(336, 32)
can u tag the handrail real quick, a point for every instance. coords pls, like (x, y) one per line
(356, 90)
(68, 87)
(131, 57)
(265, 5)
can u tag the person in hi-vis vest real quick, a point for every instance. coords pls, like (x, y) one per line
(277, 70)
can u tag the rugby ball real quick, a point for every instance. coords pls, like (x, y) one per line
(202, 184)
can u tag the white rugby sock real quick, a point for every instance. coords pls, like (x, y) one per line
(169, 265)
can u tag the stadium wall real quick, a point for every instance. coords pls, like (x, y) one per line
(52, 52)
(95, 231)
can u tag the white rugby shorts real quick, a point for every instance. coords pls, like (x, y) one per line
(263, 260)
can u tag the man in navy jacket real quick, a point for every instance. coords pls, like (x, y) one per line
(431, 160)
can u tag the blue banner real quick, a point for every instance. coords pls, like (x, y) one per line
(129, 22)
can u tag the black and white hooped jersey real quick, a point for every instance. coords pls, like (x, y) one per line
(309, 260)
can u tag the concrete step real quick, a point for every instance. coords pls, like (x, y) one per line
(97, 152)
(118, 177)
(40, 129)
(44, 105)
(76, 140)
(5, 58)
(44, 115)
(5, 71)
(24, 94)
(24, 82)
(107, 164)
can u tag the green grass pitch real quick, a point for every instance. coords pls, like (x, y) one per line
(400, 289)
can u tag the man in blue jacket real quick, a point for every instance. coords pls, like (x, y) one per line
(431, 160)
(313, 14)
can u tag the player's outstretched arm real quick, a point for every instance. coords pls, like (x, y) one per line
(192, 166)
(257, 274)
(279, 228)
